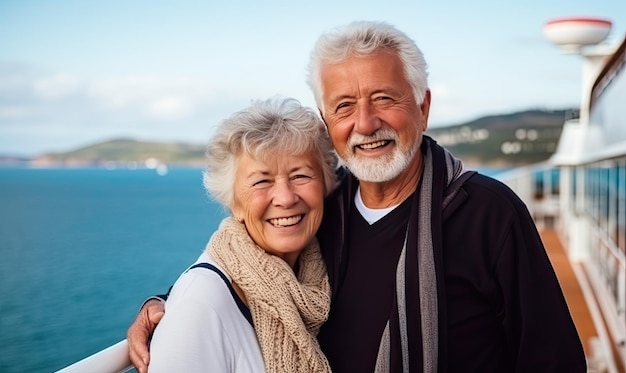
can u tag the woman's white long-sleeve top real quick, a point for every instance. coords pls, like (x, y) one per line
(203, 328)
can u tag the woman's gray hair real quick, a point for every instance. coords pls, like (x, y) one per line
(266, 128)
(366, 38)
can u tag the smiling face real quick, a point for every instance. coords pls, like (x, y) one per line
(372, 116)
(281, 202)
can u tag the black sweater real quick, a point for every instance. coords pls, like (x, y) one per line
(501, 308)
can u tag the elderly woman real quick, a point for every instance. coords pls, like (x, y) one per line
(257, 296)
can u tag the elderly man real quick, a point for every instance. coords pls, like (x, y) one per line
(432, 268)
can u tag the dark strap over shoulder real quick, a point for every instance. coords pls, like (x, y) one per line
(242, 306)
(454, 187)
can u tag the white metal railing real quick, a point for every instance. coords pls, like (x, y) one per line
(538, 186)
(113, 359)
(586, 207)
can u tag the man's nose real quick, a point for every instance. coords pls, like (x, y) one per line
(367, 121)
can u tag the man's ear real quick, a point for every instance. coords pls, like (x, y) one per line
(322, 116)
(425, 108)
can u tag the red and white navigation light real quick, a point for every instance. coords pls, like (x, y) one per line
(573, 33)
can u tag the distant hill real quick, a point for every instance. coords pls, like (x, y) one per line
(505, 140)
(499, 140)
(126, 152)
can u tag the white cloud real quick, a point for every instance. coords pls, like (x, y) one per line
(121, 92)
(13, 112)
(170, 107)
(438, 90)
(152, 97)
(56, 86)
(43, 111)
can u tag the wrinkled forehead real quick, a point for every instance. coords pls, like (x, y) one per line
(285, 153)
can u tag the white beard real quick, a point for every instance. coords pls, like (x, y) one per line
(381, 169)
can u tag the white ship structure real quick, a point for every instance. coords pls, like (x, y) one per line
(580, 192)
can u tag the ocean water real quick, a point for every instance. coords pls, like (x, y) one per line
(80, 249)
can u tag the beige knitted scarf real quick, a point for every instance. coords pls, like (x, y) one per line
(287, 311)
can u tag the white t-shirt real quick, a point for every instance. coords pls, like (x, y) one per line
(370, 215)
(203, 329)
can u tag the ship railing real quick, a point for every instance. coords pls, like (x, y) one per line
(538, 186)
(586, 205)
(113, 359)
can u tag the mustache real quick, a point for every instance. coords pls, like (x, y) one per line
(357, 139)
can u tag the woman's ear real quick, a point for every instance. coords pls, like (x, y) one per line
(237, 212)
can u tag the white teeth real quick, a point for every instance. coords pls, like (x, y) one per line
(373, 145)
(284, 222)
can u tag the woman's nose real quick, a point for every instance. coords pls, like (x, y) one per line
(284, 194)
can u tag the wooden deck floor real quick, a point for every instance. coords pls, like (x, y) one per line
(571, 288)
(575, 298)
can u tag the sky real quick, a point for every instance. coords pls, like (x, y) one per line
(74, 72)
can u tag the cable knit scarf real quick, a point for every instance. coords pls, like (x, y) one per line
(416, 271)
(287, 311)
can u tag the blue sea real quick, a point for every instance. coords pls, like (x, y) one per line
(81, 249)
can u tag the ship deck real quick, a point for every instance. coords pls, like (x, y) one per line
(574, 295)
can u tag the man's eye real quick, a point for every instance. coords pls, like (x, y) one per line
(342, 105)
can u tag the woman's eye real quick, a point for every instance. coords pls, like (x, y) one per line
(261, 182)
(300, 178)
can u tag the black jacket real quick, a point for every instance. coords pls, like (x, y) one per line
(501, 308)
